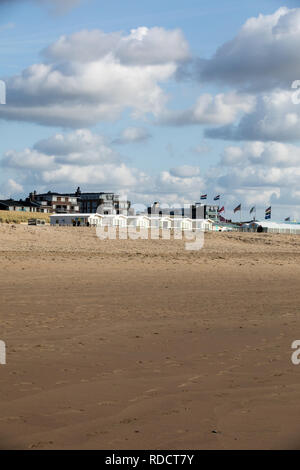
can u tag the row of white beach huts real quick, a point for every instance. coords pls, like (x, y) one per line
(144, 221)
(136, 221)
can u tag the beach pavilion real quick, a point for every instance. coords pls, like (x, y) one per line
(266, 226)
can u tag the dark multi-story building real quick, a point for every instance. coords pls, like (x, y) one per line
(20, 206)
(79, 202)
(195, 211)
(105, 203)
(204, 211)
(156, 209)
(55, 202)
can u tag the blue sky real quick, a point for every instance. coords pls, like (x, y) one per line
(174, 122)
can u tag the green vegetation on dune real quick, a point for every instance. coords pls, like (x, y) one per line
(16, 217)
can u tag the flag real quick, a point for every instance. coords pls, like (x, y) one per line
(221, 210)
(268, 213)
(217, 198)
(252, 209)
(238, 208)
(204, 196)
(287, 219)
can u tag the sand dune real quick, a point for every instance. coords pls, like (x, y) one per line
(123, 344)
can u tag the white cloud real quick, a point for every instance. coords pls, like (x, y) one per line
(269, 154)
(260, 173)
(264, 54)
(10, 188)
(143, 46)
(261, 164)
(64, 161)
(92, 76)
(27, 159)
(275, 117)
(80, 146)
(117, 176)
(186, 187)
(211, 110)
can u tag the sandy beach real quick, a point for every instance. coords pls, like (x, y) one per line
(140, 344)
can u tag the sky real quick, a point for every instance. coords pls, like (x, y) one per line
(158, 101)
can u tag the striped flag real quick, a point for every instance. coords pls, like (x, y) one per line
(204, 196)
(217, 198)
(268, 213)
(252, 209)
(238, 208)
(221, 210)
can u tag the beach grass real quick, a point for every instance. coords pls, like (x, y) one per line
(17, 217)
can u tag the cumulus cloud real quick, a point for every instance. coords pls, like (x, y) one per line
(81, 149)
(263, 55)
(92, 76)
(64, 161)
(211, 110)
(274, 117)
(143, 46)
(260, 173)
(11, 187)
(270, 154)
(184, 186)
(261, 164)
(27, 159)
(133, 135)
(80, 146)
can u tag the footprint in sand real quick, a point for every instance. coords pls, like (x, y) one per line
(38, 445)
(107, 403)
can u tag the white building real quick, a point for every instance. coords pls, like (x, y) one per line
(113, 220)
(182, 223)
(76, 219)
(138, 221)
(204, 225)
(267, 226)
(160, 222)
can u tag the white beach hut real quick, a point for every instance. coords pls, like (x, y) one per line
(204, 225)
(161, 222)
(138, 221)
(182, 223)
(75, 219)
(114, 220)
